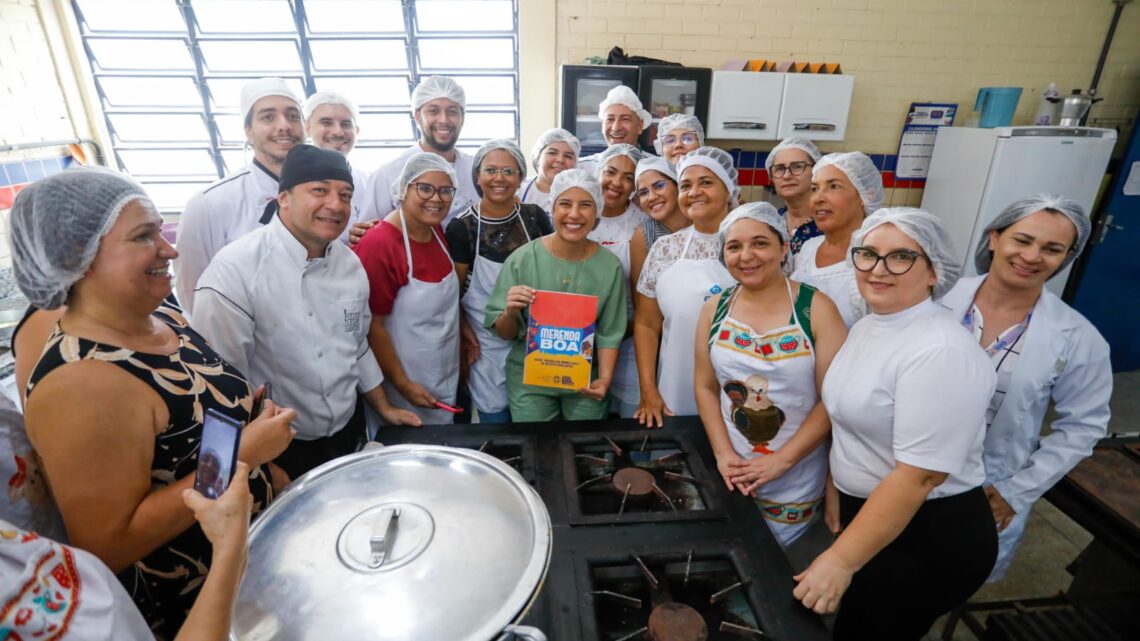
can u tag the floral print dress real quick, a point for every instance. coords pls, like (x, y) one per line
(193, 379)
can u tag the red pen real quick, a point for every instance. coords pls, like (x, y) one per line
(449, 408)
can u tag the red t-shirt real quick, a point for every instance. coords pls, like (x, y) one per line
(381, 251)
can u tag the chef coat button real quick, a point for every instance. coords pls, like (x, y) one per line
(310, 312)
(320, 354)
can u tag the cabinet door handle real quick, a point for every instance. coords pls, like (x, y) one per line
(813, 126)
(742, 124)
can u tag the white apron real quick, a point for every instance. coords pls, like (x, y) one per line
(424, 326)
(778, 370)
(625, 386)
(681, 290)
(487, 380)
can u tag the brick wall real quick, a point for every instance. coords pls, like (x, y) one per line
(900, 51)
(32, 105)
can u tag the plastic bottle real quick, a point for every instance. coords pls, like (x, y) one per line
(1050, 103)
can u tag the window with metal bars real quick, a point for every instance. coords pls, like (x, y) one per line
(169, 74)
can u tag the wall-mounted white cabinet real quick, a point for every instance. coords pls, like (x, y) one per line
(815, 106)
(747, 105)
(744, 105)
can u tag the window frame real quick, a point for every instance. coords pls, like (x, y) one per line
(216, 145)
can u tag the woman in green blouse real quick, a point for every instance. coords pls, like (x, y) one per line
(565, 261)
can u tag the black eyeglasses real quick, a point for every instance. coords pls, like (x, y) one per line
(798, 167)
(427, 191)
(657, 187)
(898, 262)
(686, 139)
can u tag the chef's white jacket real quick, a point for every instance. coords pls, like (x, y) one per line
(215, 217)
(300, 324)
(1063, 358)
(380, 186)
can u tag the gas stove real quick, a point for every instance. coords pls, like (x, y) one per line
(648, 543)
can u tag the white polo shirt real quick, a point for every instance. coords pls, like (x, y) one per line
(215, 217)
(301, 324)
(910, 387)
(380, 185)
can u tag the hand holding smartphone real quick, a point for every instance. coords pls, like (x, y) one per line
(217, 454)
(259, 401)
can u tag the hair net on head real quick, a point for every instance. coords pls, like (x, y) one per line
(580, 178)
(418, 165)
(758, 211)
(57, 223)
(717, 161)
(1067, 207)
(329, 98)
(624, 96)
(678, 121)
(795, 142)
(489, 146)
(927, 230)
(616, 151)
(434, 87)
(655, 163)
(862, 173)
(259, 88)
(549, 137)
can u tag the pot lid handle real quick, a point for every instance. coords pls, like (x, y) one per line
(383, 534)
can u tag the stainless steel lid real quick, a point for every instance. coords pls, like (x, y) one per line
(402, 542)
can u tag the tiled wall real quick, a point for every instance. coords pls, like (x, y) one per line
(754, 180)
(900, 51)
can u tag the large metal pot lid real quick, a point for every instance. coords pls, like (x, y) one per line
(409, 542)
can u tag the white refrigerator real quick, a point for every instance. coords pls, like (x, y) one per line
(975, 173)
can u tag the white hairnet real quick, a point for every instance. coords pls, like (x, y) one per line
(862, 173)
(329, 98)
(418, 165)
(927, 230)
(624, 96)
(678, 121)
(717, 161)
(616, 151)
(491, 145)
(549, 137)
(57, 223)
(434, 87)
(759, 211)
(1067, 207)
(580, 178)
(655, 163)
(255, 90)
(795, 142)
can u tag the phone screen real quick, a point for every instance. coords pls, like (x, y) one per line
(217, 454)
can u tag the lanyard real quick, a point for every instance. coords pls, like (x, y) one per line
(1007, 339)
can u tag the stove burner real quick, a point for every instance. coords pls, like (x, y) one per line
(639, 476)
(634, 480)
(677, 598)
(677, 622)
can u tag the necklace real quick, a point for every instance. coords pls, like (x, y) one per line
(568, 271)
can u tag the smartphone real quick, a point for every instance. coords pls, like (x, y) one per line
(217, 454)
(259, 402)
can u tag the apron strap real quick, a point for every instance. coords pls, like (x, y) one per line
(720, 314)
(801, 310)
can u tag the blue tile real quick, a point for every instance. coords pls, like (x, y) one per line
(747, 160)
(878, 159)
(891, 163)
(762, 159)
(735, 156)
(35, 170)
(16, 173)
(66, 161)
(51, 166)
(4, 180)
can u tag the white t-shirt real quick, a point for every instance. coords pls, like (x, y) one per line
(910, 387)
(837, 281)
